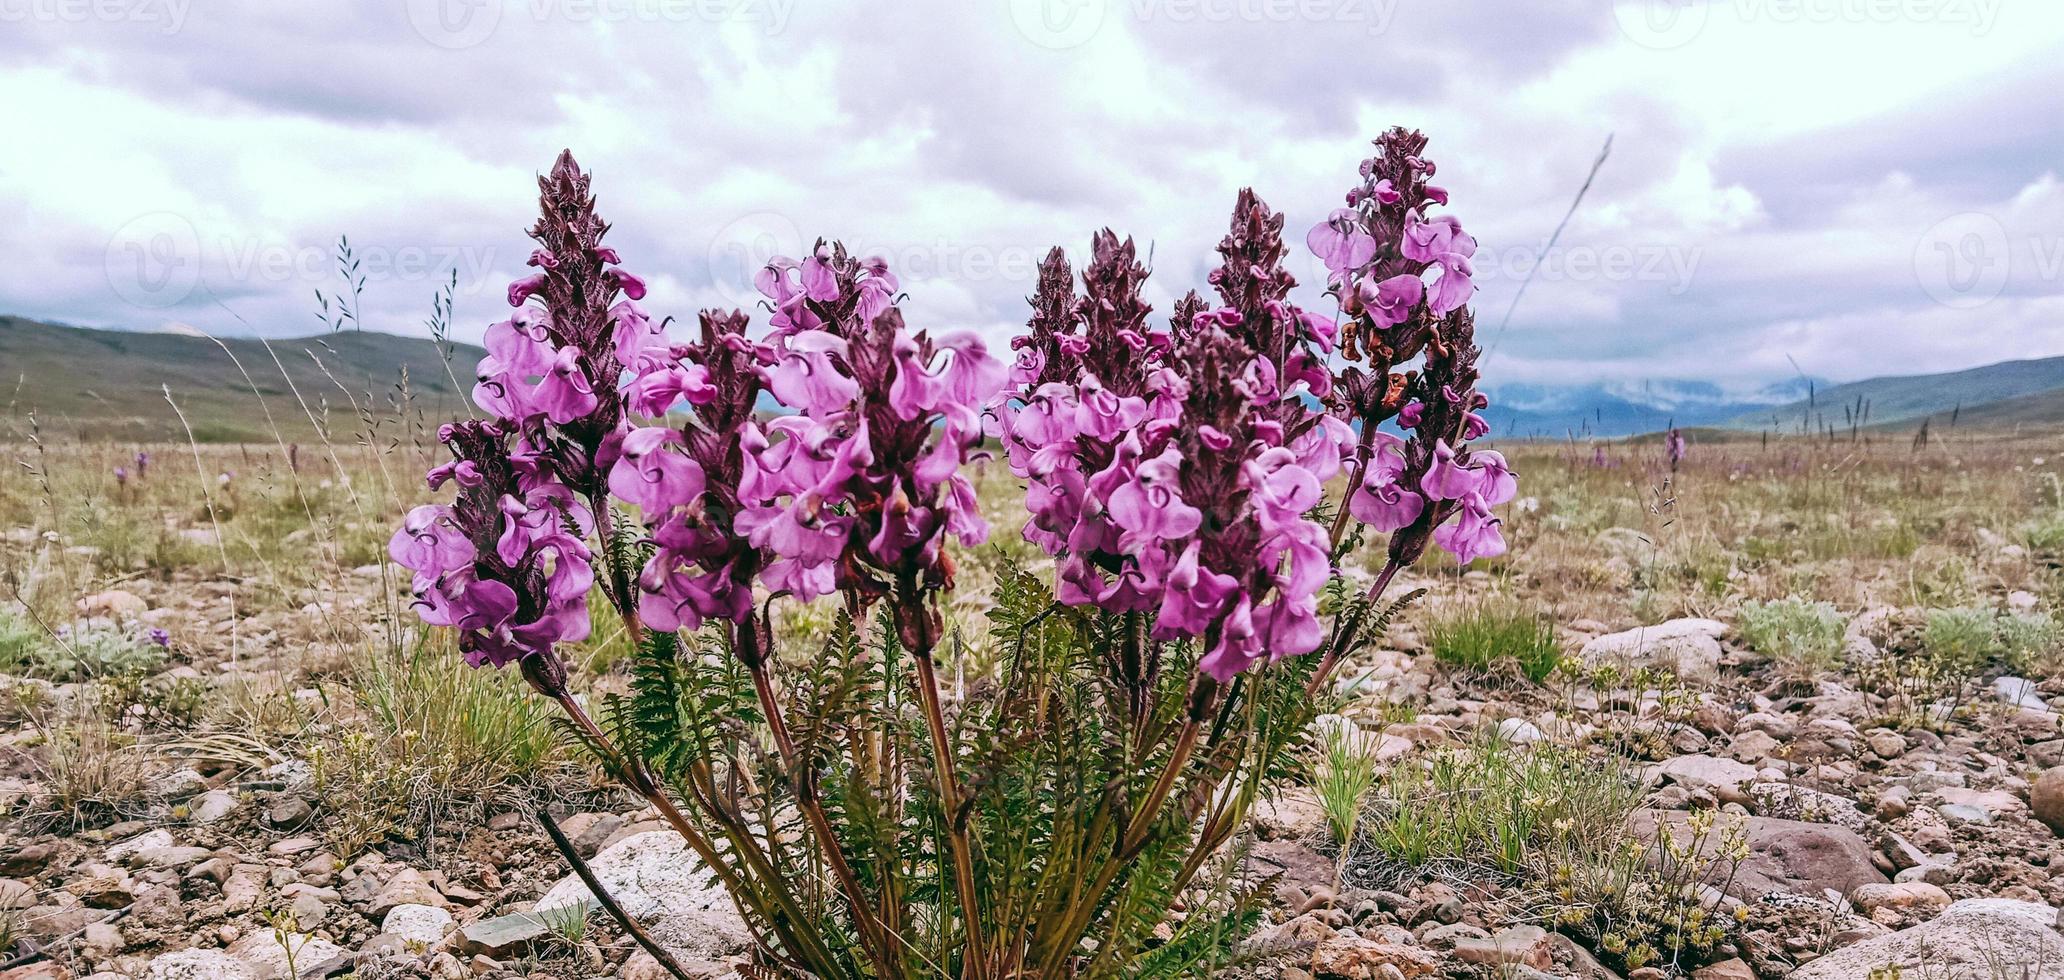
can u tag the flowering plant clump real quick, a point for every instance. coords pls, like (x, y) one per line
(1090, 764)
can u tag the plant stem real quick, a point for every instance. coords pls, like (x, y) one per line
(949, 801)
(609, 903)
(1346, 639)
(1143, 818)
(804, 782)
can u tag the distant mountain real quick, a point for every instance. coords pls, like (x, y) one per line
(110, 384)
(1618, 409)
(1911, 397)
(107, 385)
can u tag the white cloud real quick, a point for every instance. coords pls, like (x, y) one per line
(1777, 183)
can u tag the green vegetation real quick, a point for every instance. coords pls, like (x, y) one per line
(1805, 638)
(1484, 636)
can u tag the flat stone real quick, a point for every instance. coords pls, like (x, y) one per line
(1900, 902)
(1690, 647)
(1734, 969)
(122, 852)
(1977, 937)
(503, 936)
(2018, 693)
(294, 845)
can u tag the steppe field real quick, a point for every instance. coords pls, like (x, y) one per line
(1827, 665)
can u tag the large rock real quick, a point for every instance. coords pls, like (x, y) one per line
(2046, 798)
(664, 886)
(1691, 647)
(1977, 937)
(1785, 856)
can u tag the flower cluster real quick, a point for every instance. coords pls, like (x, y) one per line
(1172, 472)
(553, 366)
(690, 483)
(1402, 278)
(865, 481)
(506, 563)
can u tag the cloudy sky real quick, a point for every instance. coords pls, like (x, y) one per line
(1860, 186)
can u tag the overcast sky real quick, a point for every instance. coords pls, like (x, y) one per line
(1863, 186)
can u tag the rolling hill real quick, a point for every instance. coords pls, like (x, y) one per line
(111, 384)
(2035, 386)
(108, 385)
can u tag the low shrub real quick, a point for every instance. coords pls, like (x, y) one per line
(1805, 638)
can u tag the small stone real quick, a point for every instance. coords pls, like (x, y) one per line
(294, 845)
(407, 887)
(1965, 813)
(288, 813)
(1734, 969)
(1724, 778)
(1520, 731)
(1355, 958)
(27, 859)
(426, 924)
(1886, 744)
(267, 957)
(213, 806)
(108, 890)
(1899, 902)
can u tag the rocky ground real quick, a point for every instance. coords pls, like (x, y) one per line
(216, 839)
